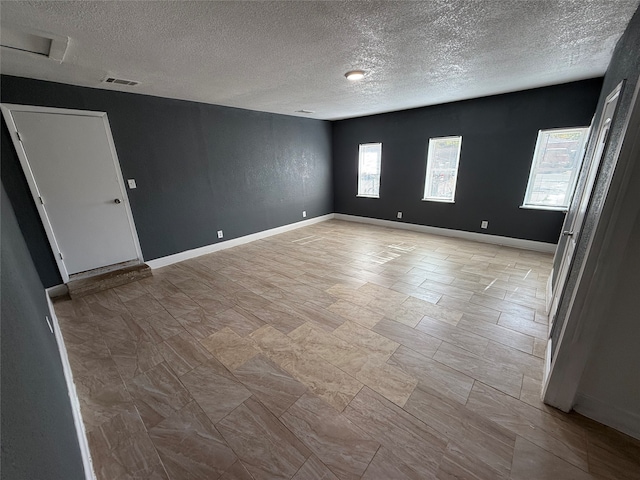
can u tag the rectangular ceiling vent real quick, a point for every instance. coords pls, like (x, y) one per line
(121, 81)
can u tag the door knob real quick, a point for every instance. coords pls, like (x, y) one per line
(117, 200)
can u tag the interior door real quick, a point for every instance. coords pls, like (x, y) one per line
(75, 178)
(573, 227)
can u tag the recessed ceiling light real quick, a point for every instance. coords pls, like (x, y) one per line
(354, 75)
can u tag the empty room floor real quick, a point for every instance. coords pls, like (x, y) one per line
(334, 351)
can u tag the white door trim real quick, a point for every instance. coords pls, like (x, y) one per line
(581, 200)
(589, 302)
(7, 109)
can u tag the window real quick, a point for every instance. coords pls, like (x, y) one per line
(555, 167)
(369, 161)
(442, 169)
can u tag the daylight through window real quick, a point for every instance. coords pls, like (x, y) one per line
(442, 169)
(555, 168)
(369, 164)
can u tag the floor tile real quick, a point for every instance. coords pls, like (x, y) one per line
(229, 348)
(485, 443)
(431, 346)
(242, 323)
(522, 362)
(158, 394)
(498, 333)
(270, 384)
(342, 446)
(178, 304)
(356, 313)
(199, 323)
(385, 466)
(237, 471)
(449, 382)
(547, 431)
(121, 448)
(266, 448)
(161, 325)
(366, 339)
(183, 353)
(418, 446)
(215, 389)
(409, 337)
(434, 311)
(454, 336)
(523, 325)
(314, 469)
(503, 377)
(473, 310)
(531, 462)
(457, 462)
(143, 306)
(190, 446)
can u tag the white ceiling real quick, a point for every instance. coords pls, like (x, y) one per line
(290, 55)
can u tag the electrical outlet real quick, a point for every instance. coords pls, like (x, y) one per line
(220, 234)
(484, 224)
(304, 214)
(399, 215)
(132, 183)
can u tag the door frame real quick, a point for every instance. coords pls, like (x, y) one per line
(586, 310)
(590, 170)
(7, 110)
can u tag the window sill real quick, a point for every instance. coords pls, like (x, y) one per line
(368, 196)
(438, 200)
(540, 207)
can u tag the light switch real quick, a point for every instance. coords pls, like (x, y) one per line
(132, 183)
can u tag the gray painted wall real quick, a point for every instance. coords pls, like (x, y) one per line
(199, 168)
(498, 139)
(38, 435)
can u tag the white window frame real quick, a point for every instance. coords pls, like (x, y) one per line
(429, 170)
(360, 165)
(538, 154)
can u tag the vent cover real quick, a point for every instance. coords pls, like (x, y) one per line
(120, 81)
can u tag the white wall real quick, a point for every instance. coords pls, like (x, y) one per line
(609, 390)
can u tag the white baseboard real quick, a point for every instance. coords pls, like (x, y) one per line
(445, 232)
(57, 291)
(622, 420)
(196, 252)
(477, 237)
(73, 395)
(549, 294)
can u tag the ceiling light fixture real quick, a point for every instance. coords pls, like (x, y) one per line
(354, 75)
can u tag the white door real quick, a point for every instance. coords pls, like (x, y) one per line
(572, 231)
(73, 172)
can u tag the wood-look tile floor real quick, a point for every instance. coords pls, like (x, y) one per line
(337, 350)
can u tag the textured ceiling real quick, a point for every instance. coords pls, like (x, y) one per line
(290, 55)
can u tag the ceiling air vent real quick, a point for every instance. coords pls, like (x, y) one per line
(121, 81)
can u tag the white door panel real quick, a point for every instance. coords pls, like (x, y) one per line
(582, 201)
(76, 175)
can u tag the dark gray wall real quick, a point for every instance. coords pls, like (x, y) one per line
(498, 139)
(199, 168)
(38, 436)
